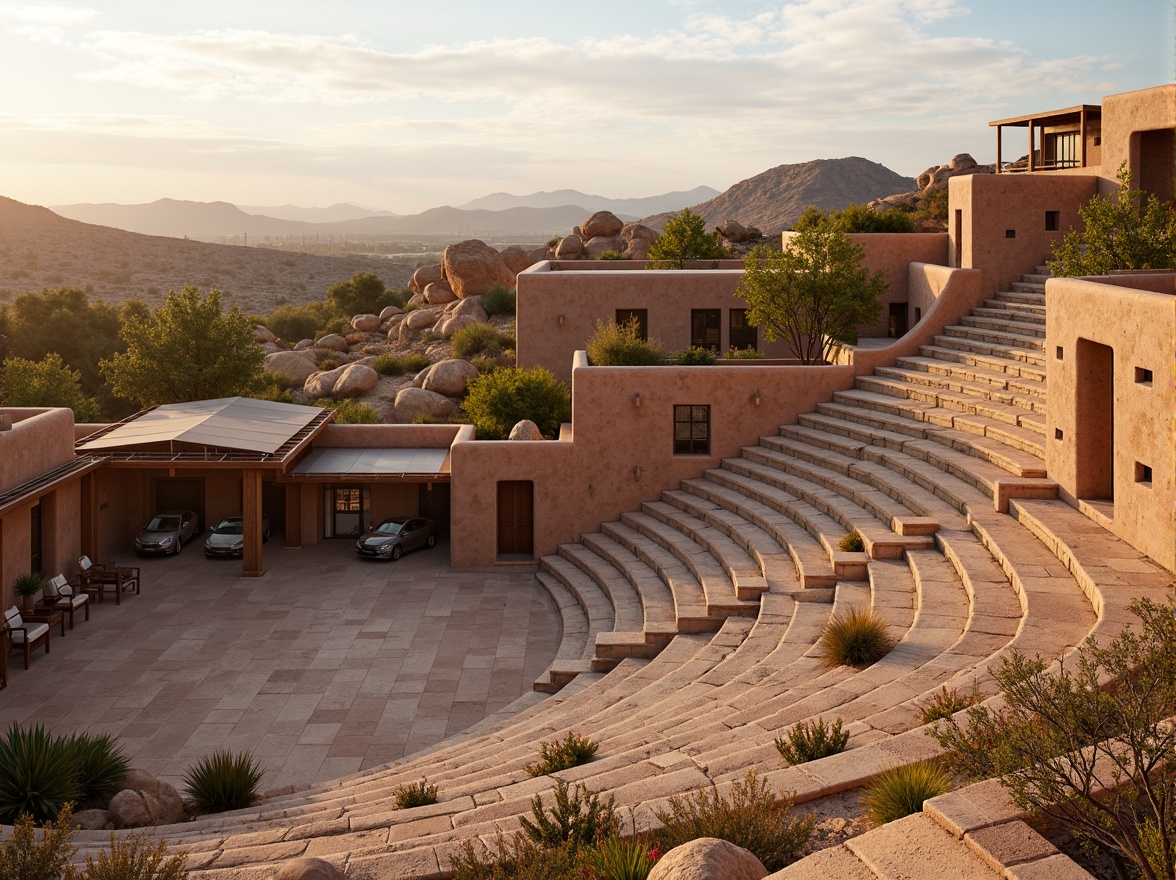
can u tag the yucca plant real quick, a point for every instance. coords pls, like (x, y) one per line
(572, 751)
(100, 764)
(224, 780)
(415, 794)
(900, 791)
(37, 774)
(856, 637)
(810, 740)
(621, 858)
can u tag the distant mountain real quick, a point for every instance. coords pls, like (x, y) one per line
(459, 223)
(177, 219)
(330, 214)
(775, 199)
(42, 249)
(674, 201)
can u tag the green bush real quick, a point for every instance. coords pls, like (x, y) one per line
(695, 356)
(858, 218)
(577, 817)
(565, 754)
(750, 816)
(520, 858)
(328, 363)
(499, 300)
(933, 208)
(851, 543)
(495, 402)
(621, 858)
(293, 323)
(857, 637)
(810, 740)
(27, 855)
(136, 857)
(485, 364)
(399, 364)
(100, 764)
(348, 412)
(900, 791)
(685, 239)
(621, 345)
(745, 354)
(415, 794)
(946, 703)
(224, 780)
(38, 775)
(554, 241)
(475, 339)
(613, 255)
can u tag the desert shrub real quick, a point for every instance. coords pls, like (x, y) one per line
(572, 751)
(415, 794)
(946, 703)
(613, 255)
(414, 363)
(474, 339)
(274, 386)
(398, 298)
(485, 364)
(856, 637)
(224, 780)
(577, 817)
(328, 363)
(554, 241)
(495, 402)
(29, 855)
(809, 740)
(518, 858)
(38, 775)
(900, 791)
(745, 354)
(136, 857)
(348, 412)
(695, 356)
(933, 208)
(292, 323)
(750, 816)
(857, 218)
(499, 300)
(388, 365)
(621, 858)
(621, 345)
(851, 543)
(100, 765)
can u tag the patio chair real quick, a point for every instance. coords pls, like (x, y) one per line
(59, 593)
(25, 634)
(118, 578)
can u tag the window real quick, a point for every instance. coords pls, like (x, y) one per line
(706, 328)
(348, 511)
(1061, 150)
(1052, 221)
(691, 429)
(624, 316)
(741, 334)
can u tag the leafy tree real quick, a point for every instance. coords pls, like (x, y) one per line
(292, 323)
(48, 382)
(1126, 232)
(685, 238)
(497, 401)
(361, 294)
(813, 294)
(187, 349)
(857, 218)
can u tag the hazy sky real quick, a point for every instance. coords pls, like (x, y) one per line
(408, 105)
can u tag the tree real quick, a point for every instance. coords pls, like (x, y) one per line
(497, 401)
(1126, 232)
(48, 382)
(685, 238)
(362, 294)
(187, 349)
(813, 294)
(858, 218)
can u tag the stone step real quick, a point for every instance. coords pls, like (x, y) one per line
(1013, 296)
(1032, 356)
(1012, 324)
(990, 363)
(951, 388)
(942, 409)
(999, 379)
(1028, 287)
(999, 337)
(593, 599)
(626, 603)
(1018, 308)
(573, 644)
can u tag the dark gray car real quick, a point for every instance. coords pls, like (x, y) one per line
(228, 536)
(167, 532)
(394, 537)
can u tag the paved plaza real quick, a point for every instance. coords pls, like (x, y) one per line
(325, 665)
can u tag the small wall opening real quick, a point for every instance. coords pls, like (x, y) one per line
(1156, 174)
(516, 519)
(958, 236)
(1143, 473)
(1094, 421)
(1052, 221)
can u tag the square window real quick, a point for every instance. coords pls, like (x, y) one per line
(1142, 376)
(691, 429)
(641, 316)
(1010, 233)
(1143, 473)
(1052, 221)
(706, 328)
(1058, 352)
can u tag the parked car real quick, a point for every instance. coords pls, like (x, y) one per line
(394, 537)
(166, 532)
(228, 536)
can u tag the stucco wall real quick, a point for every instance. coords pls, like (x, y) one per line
(39, 441)
(622, 454)
(1126, 114)
(1140, 327)
(380, 437)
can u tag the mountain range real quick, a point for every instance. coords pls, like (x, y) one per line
(674, 201)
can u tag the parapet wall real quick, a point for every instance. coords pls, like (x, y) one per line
(39, 441)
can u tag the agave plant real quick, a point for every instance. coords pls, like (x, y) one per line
(224, 780)
(100, 764)
(37, 774)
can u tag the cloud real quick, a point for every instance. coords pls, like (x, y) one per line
(43, 23)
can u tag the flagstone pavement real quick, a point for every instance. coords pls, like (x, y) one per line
(325, 665)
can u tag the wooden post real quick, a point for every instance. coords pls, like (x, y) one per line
(1082, 138)
(88, 519)
(293, 515)
(1032, 164)
(251, 561)
(998, 129)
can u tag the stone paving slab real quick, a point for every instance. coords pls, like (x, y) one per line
(326, 665)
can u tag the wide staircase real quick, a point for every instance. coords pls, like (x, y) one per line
(690, 624)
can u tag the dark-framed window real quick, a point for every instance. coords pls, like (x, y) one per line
(624, 316)
(348, 511)
(706, 328)
(741, 334)
(691, 429)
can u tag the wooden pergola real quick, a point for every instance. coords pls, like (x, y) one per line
(1084, 115)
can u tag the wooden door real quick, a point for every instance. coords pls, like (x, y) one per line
(516, 518)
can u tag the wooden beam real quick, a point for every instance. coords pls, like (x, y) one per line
(251, 561)
(1031, 162)
(293, 515)
(1082, 139)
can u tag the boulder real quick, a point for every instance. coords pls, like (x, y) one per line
(294, 365)
(604, 223)
(263, 334)
(473, 267)
(356, 379)
(961, 162)
(525, 430)
(307, 869)
(424, 276)
(733, 230)
(602, 245)
(365, 323)
(92, 820)
(925, 178)
(569, 248)
(417, 299)
(321, 384)
(538, 255)
(420, 319)
(439, 293)
(637, 249)
(471, 306)
(450, 324)
(639, 231)
(412, 403)
(333, 341)
(303, 344)
(708, 858)
(145, 800)
(517, 259)
(270, 347)
(389, 312)
(449, 377)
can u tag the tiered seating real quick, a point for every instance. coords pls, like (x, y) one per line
(690, 624)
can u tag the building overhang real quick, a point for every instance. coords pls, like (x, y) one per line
(31, 490)
(372, 465)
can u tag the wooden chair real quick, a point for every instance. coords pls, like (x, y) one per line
(26, 634)
(102, 577)
(59, 593)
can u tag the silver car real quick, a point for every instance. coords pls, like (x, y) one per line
(394, 537)
(228, 536)
(166, 532)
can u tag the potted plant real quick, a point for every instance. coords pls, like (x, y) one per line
(27, 586)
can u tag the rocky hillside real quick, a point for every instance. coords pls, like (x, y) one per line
(772, 201)
(40, 249)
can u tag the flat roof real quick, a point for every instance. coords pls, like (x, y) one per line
(1089, 109)
(239, 423)
(371, 465)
